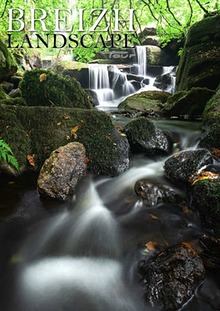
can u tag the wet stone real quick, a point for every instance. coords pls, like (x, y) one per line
(61, 172)
(170, 277)
(153, 194)
(182, 165)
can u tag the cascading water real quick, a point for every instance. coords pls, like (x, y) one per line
(171, 71)
(84, 257)
(141, 60)
(109, 83)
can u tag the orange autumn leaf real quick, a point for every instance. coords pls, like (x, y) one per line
(202, 176)
(86, 160)
(43, 77)
(31, 160)
(74, 129)
(151, 246)
(190, 246)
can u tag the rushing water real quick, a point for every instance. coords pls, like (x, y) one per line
(141, 60)
(82, 255)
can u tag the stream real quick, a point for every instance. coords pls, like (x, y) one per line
(82, 255)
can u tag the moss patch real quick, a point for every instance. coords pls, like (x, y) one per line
(212, 109)
(48, 128)
(149, 101)
(3, 95)
(43, 87)
(8, 64)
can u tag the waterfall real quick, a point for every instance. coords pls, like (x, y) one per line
(171, 71)
(142, 60)
(100, 83)
(109, 83)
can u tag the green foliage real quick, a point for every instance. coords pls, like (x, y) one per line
(7, 155)
(171, 20)
(45, 88)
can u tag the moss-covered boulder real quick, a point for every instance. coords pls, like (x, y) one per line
(200, 62)
(206, 198)
(8, 64)
(188, 103)
(212, 109)
(144, 137)
(34, 132)
(210, 137)
(147, 101)
(43, 87)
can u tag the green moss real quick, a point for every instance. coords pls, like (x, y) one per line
(43, 87)
(150, 101)
(8, 64)
(48, 128)
(204, 31)
(3, 95)
(140, 128)
(212, 109)
(206, 195)
(13, 101)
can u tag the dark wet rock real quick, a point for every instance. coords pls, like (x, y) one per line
(44, 88)
(149, 101)
(144, 137)
(188, 103)
(199, 64)
(171, 277)
(8, 64)
(163, 82)
(15, 79)
(37, 131)
(210, 137)
(210, 250)
(132, 77)
(62, 171)
(93, 96)
(206, 199)
(146, 81)
(181, 166)
(155, 193)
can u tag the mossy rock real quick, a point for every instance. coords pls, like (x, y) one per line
(206, 198)
(46, 128)
(18, 101)
(200, 64)
(210, 137)
(188, 103)
(147, 101)
(8, 64)
(3, 95)
(43, 87)
(205, 30)
(212, 109)
(144, 137)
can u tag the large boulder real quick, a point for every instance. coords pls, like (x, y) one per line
(8, 64)
(61, 172)
(144, 137)
(181, 166)
(210, 137)
(200, 64)
(188, 103)
(147, 101)
(170, 277)
(212, 109)
(206, 199)
(43, 87)
(37, 131)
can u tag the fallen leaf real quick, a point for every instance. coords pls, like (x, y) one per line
(59, 123)
(202, 176)
(67, 137)
(74, 129)
(190, 246)
(151, 246)
(86, 160)
(122, 134)
(43, 77)
(31, 160)
(66, 117)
